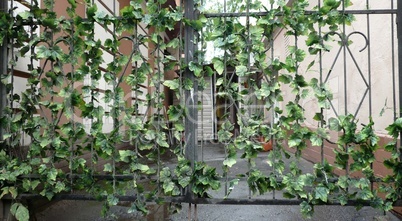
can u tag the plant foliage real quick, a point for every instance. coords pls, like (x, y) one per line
(58, 93)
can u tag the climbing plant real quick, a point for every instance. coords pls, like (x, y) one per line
(64, 89)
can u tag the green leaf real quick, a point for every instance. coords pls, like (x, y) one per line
(144, 168)
(395, 128)
(196, 68)
(150, 135)
(25, 14)
(333, 4)
(52, 174)
(173, 43)
(365, 194)
(316, 140)
(108, 167)
(300, 55)
(318, 117)
(72, 3)
(20, 212)
(184, 181)
(168, 186)
(241, 71)
(45, 142)
(286, 79)
(188, 84)
(343, 199)
(229, 162)
(196, 24)
(13, 191)
(310, 65)
(5, 190)
(161, 142)
(287, 195)
(306, 209)
(165, 174)
(322, 193)
(176, 16)
(219, 81)
(112, 200)
(343, 182)
(387, 206)
(6, 136)
(256, 31)
(125, 155)
(264, 91)
(218, 65)
(334, 124)
(232, 184)
(294, 142)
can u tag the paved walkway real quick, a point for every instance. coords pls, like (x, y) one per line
(214, 155)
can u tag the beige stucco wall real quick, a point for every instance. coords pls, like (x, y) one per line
(376, 70)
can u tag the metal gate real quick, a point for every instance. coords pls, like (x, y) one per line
(114, 96)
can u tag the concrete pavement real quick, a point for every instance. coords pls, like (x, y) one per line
(214, 155)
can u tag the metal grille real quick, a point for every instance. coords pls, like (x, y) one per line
(361, 69)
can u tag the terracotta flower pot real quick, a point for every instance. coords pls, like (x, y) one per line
(266, 145)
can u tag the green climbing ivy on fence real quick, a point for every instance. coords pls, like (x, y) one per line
(69, 52)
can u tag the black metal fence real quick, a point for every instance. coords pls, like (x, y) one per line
(93, 121)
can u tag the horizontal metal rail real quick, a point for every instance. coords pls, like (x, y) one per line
(182, 199)
(125, 177)
(259, 14)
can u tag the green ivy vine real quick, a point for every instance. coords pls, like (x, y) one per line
(69, 52)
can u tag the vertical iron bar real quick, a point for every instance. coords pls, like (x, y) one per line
(181, 74)
(32, 51)
(394, 99)
(136, 47)
(158, 107)
(115, 104)
(12, 66)
(225, 73)
(189, 212)
(195, 212)
(214, 109)
(369, 59)
(274, 149)
(11, 73)
(344, 44)
(369, 76)
(191, 97)
(248, 69)
(3, 69)
(399, 34)
(72, 121)
(200, 37)
(202, 124)
(92, 102)
(345, 89)
(321, 82)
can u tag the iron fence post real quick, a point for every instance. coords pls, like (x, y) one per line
(4, 204)
(399, 34)
(190, 96)
(3, 71)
